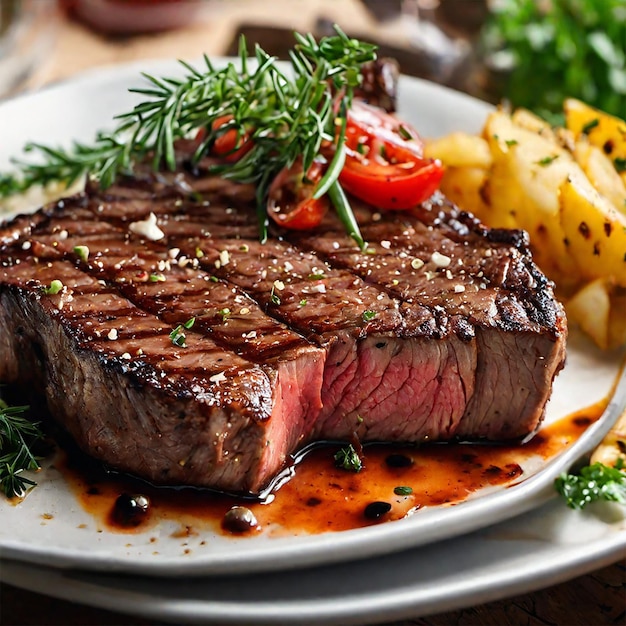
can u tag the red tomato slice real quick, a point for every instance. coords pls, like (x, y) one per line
(290, 200)
(228, 145)
(385, 164)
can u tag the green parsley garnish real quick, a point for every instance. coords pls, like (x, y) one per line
(368, 316)
(511, 142)
(549, 51)
(317, 276)
(178, 335)
(286, 115)
(348, 459)
(403, 491)
(547, 160)
(593, 482)
(53, 288)
(17, 434)
(157, 278)
(82, 252)
(224, 314)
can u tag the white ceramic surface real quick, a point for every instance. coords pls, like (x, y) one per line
(68, 537)
(544, 547)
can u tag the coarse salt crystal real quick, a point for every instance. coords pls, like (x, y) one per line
(440, 260)
(147, 228)
(218, 378)
(112, 334)
(459, 288)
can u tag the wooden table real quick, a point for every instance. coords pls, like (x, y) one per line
(596, 599)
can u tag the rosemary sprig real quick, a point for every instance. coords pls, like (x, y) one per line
(285, 117)
(17, 434)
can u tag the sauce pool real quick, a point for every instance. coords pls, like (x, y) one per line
(395, 481)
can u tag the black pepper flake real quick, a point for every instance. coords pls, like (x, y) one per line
(399, 460)
(583, 229)
(376, 510)
(608, 228)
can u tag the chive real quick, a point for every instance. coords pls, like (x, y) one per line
(368, 316)
(547, 160)
(344, 211)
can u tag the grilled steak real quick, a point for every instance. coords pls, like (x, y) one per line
(441, 330)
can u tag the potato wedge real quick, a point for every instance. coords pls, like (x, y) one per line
(599, 308)
(601, 173)
(594, 230)
(605, 131)
(523, 188)
(464, 185)
(590, 308)
(459, 150)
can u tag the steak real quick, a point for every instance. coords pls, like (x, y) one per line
(182, 350)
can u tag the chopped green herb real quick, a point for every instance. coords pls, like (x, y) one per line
(274, 299)
(547, 160)
(368, 316)
(620, 164)
(244, 247)
(17, 435)
(403, 491)
(348, 459)
(511, 142)
(316, 276)
(303, 302)
(214, 279)
(82, 252)
(589, 126)
(199, 253)
(224, 313)
(178, 335)
(593, 482)
(404, 132)
(156, 278)
(54, 288)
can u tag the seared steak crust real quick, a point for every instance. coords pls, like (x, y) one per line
(442, 329)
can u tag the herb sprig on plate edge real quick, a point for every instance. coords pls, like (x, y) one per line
(285, 118)
(17, 434)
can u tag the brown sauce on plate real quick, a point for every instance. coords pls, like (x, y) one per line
(395, 482)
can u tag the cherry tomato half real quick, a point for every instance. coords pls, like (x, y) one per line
(385, 164)
(290, 200)
(229, 144)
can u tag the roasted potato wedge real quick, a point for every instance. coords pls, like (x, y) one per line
(599, 309)
(562, 187)
(601, 173)
(603, 130)
(594, 231)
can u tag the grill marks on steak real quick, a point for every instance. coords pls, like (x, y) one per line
(293, 340)
(380, 380)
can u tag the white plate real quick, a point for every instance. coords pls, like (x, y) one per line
(67, 536)
(541, 548)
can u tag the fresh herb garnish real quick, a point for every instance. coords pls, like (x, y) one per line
(589, 126)
(348, 459)
(547, 160)
(17, 434)
(593, 482)
(53, 288)
(558, 49)
(82, 252)
(285, 116)
(620, 164)
(368, 316)
(178, 335)
(403, 491)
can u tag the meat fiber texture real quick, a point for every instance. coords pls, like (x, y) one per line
(440, 330)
